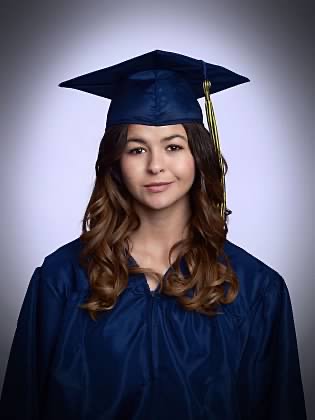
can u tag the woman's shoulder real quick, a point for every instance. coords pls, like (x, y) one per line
(65, 253)
(255, 277)
(61, 271)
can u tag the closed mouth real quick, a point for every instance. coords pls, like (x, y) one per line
(158, 185)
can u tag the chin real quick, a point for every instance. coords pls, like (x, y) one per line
(160, 203)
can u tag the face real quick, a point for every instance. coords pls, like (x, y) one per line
(157, 154)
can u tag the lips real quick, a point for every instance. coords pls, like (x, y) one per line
(157, 184)
(159, 188)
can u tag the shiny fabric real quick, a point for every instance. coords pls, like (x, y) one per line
(155, 88)
(149, 359)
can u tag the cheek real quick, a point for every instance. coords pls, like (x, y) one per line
(185, 168)
(126, 167)
(129, 170)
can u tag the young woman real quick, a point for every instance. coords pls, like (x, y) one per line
(152, 313)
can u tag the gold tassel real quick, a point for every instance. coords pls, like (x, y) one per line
(214, 132)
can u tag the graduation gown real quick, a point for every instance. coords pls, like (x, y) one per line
(148, 358)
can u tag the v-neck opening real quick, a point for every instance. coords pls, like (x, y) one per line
(152, 291)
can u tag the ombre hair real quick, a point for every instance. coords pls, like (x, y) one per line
(110, 219)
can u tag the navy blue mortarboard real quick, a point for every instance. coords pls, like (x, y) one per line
(159, 88)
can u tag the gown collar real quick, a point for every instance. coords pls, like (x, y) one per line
(139, 282)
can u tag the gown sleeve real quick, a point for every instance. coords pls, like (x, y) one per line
(269, 381)
(31, 350)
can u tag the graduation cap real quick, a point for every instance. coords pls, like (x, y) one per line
(160, 88)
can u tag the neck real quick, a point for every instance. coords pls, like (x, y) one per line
(160, 230)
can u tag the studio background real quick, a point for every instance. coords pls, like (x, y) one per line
(50, 135)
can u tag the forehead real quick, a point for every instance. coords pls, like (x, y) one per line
(149, 131)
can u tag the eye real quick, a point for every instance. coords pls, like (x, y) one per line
(175, 145)
(139, 148)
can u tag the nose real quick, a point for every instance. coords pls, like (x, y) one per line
(155, 162)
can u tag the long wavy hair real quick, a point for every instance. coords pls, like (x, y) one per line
(110, 218)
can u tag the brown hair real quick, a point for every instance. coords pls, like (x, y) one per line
(110, 218)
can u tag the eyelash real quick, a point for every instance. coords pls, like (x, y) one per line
(138, 148)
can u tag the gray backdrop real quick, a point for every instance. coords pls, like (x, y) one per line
(50, 135)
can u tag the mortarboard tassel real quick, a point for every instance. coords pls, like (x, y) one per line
(214, 132)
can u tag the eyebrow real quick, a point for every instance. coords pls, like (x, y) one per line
(168, 138)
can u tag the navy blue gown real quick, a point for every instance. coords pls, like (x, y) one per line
(148, 358)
